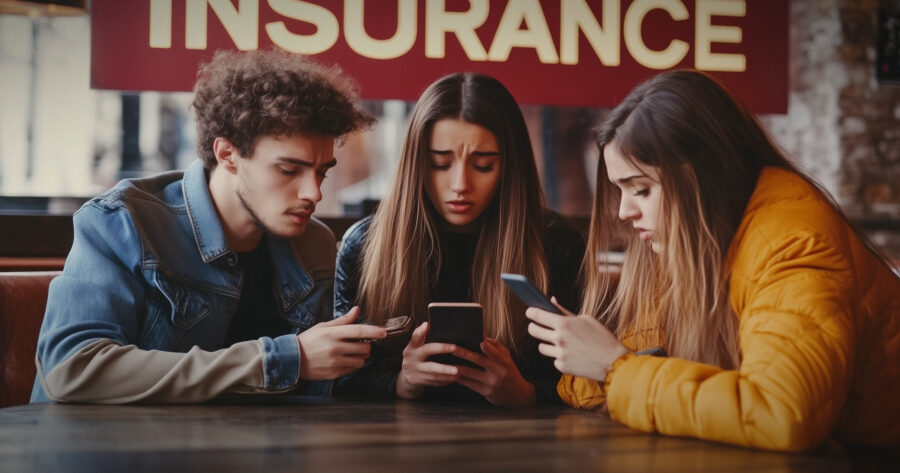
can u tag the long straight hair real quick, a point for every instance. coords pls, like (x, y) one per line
(709, 151)
(402, 254)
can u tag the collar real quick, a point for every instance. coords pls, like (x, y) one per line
(208, 232)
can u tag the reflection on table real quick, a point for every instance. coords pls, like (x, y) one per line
(274, 434)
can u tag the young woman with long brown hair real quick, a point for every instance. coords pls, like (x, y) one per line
(465, 205)
(781, 323)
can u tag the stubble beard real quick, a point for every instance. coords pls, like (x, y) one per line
(256, 220)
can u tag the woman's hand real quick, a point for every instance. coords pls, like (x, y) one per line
(417, 372)
(500, 381)
(580, 344)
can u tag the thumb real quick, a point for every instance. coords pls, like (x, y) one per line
(418, 336)
(345, 319)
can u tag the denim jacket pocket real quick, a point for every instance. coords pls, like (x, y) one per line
(189, 305)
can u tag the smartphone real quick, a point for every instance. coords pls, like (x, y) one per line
(655, 351)
(526, 290)
(459, 323)
(393, 325)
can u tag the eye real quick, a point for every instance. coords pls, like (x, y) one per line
(642, 192)
(439, 166)
(287, 171)
(323, 173)
(487, 168)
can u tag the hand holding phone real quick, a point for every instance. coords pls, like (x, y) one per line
(530, 295)
(459, 323)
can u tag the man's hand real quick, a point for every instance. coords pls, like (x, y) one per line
(332, 349)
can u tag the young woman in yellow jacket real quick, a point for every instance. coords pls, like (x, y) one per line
(781, 324)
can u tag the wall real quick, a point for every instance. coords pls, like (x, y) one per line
(842, 125)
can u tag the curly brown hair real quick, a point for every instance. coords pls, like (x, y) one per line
(242, 96)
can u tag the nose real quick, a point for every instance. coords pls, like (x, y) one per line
(460, 178)
(628, 210)
(310, 188)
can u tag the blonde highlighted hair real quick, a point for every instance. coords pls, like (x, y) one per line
(402, 254)
(709, 151)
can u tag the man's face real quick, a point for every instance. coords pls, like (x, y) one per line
(280, 184)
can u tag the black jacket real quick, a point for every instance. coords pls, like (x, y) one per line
(564, 247)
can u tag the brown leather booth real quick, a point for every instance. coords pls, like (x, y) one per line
(23, 298)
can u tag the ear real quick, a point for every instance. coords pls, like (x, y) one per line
(226, 154)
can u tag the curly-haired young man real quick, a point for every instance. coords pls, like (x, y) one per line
(184, 286)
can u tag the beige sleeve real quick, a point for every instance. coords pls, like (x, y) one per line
(106, 372)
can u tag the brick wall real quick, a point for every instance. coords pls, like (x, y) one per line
(842, 126)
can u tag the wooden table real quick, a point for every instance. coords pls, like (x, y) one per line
(294, 434)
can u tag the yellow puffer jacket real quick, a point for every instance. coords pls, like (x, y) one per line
(819, 334)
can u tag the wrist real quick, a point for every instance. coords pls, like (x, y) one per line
(620, 352)
(406, 389)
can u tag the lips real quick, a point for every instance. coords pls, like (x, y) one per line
(459, 206)
(643, 233)
(300, 218)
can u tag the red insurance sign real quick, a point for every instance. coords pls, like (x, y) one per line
(558, 52)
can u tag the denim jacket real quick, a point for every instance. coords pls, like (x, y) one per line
(145, 300)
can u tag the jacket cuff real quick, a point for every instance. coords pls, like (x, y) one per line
(281, 362)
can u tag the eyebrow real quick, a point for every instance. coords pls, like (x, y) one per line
(625, 180)
(474, 153)
(309, 164)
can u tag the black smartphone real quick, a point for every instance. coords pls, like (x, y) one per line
(526, 290)
(655, 351)
(459, 323)
(393, 325)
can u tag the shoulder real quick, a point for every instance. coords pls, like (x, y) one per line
(355, 236)
(316, 247)
(161, 189)
(156, 199)
(784, 210)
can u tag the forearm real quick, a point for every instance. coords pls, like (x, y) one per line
(109, 373)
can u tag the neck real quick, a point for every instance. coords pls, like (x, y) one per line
(241, 231)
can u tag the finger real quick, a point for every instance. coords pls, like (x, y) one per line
(541, 333)
(355, 349)
(435, 368)
(358, 332)
(418, 336)
(560, 307)
(468, 372)
(474, 385)
(549, 350)
(476, 358)
(438, 379)
(547, 319)
(495, 347)
(345, 319)
(437, 349)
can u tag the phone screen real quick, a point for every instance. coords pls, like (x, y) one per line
(526, 290)
(459, 323)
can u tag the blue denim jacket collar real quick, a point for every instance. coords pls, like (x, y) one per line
(293, 281)
(202, 213)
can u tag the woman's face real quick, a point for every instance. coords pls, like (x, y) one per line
(641, 195)
(463, 170)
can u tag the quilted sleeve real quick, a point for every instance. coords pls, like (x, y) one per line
(797, 340)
